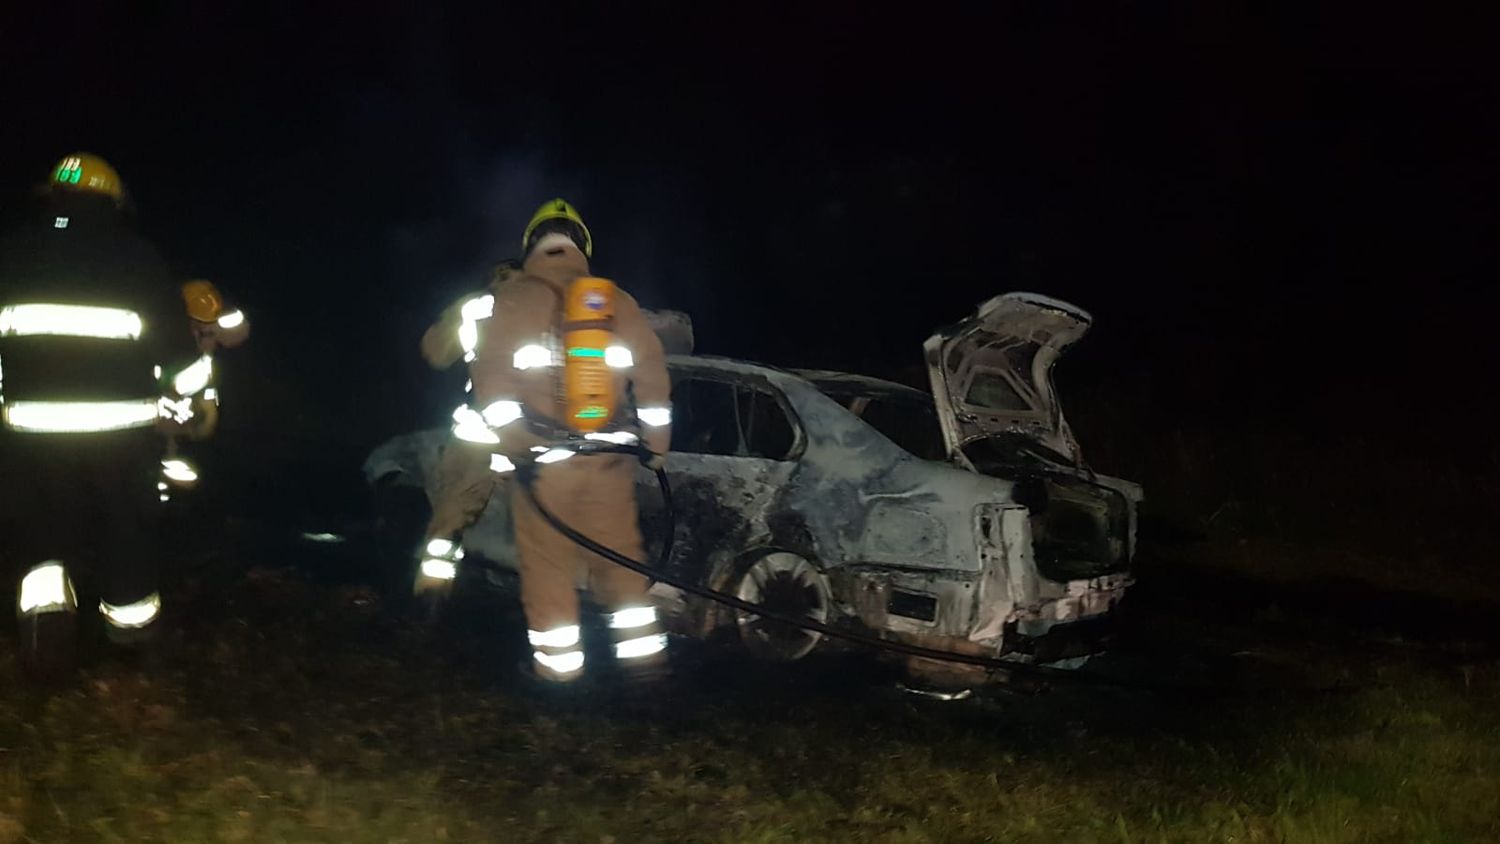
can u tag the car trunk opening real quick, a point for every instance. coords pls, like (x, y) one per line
(1080, 524)
(992, 373)
(991, 377)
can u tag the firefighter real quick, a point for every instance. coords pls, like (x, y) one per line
(520, 384)
(95, 360)
(214, 325)
(463, 482)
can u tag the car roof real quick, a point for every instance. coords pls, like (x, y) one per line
(723, 364)
(824, 380)
(844, 382)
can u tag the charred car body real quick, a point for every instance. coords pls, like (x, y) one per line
(963, 519)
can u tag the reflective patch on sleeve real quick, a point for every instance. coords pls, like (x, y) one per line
(502, 413)
(532, 356)
(469, 426)
(195, 377)
(618, 357)
(658, 416)
(478, 308)
(473, 312)
(179, 411)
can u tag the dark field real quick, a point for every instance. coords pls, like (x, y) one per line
(1265, 696)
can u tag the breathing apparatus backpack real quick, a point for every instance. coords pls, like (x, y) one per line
(590, 354)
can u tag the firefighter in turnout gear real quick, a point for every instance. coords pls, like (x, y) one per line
(96, 362)
(214, 325)
(463, 482)
(568, 355)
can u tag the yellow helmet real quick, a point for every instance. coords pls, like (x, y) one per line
(85, 172)
(557, 216)
(203, 300)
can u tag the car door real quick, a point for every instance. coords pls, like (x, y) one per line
(734, 444)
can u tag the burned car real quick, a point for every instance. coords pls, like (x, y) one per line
(963, 519)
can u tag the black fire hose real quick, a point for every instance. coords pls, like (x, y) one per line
(526, 474)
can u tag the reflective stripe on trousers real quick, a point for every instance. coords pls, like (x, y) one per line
(46, 588)
(440, 562)
(558, 652)
(596, 493)
(134, 615)
(637, 633)
(104, 482)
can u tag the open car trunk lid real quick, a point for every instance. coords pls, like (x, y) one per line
(992, 373)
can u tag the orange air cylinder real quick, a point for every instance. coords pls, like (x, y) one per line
(588, 329)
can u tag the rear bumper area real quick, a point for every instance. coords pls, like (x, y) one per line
(1081, 599)
(1063, 642)
(1078, 623)
(1054, 630)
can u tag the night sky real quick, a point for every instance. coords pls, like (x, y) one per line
(1273, 215)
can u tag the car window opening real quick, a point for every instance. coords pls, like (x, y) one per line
(730, 420)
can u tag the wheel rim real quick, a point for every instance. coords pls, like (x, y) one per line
(785, 583)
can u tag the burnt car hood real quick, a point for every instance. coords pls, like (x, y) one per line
(992, 373)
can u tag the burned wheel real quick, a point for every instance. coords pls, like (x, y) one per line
(787, 584)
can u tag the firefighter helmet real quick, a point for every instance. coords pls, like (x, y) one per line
(557, 216)
(82, 171)
(203, 301)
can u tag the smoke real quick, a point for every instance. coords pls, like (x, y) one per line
(643, 234)
(483, 207)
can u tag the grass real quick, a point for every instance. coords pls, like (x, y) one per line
(297, 711)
